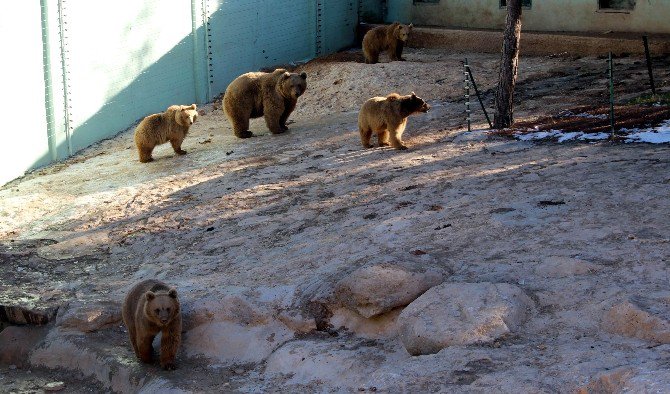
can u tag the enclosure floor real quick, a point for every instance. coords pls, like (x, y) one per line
(271, 218)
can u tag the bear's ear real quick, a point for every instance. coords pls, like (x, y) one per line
(172, 293)
(150, 295)
(411, 25)
(303, 75)
(192, 106)
(413, 94)
(285, 75)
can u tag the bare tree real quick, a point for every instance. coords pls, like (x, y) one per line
(509, 63)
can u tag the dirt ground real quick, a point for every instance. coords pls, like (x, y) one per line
(250, 231)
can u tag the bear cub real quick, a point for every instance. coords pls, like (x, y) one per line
(389, 38)
(171, 125)
(271, 95)
(151, 307)
(387, 116)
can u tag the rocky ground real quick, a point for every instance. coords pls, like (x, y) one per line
(468, 263)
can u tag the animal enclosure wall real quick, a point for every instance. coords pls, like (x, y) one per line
(649, 16)
(84, 70)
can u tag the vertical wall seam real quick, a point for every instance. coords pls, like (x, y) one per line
(48, 83)
(208, 48)
(62, 31)
(319, 29)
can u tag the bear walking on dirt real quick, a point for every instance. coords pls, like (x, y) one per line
(389, 38)
(151, 307)
(387, 116)
(272, 95)
(171, 125)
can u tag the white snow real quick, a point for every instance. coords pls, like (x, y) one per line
(652, 135)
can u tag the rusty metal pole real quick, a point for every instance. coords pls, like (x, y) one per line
(649, 67)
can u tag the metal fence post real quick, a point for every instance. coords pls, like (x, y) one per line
(610, 71)
(649, 67)
(467, 94)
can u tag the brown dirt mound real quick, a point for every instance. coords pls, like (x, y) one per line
(595, 119)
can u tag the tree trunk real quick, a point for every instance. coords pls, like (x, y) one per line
(509, 63)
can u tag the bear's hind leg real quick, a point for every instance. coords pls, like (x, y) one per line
(145, 153)
(176, 145)
(241, 126)
(366, 134)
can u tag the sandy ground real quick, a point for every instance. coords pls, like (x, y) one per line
(270, 222)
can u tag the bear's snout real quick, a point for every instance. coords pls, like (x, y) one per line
(425, 107)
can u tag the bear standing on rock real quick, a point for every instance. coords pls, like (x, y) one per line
(171, 125)
(272, 95)
(389, 38)
(151, 307)
(387, 116)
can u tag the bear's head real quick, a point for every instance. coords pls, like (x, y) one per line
(161, 306)
(413, 104)
(292, 85)
(186, 115)
(402, 31)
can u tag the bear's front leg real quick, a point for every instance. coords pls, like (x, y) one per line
(398, 51)
(272, 120)
(170, 341)
(289, 107)
(144, 349)
(396, 136)
(176, 145)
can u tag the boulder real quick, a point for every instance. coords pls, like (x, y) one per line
(89, 317)
(462, 314)
(377, 289)
(630, 320)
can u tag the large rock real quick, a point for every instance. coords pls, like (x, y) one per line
(461, 314)
(630, 320)
(89, 317)
(17, 342)
(377, 289)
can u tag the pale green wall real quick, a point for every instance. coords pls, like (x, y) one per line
(651, 16)
(24, 131)
(109, 64)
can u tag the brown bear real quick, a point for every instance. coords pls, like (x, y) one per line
(171, 125)
(389, 38)
(272, 95)
(387, 116)
(151, 307)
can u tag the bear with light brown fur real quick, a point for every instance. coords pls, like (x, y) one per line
(387, 116)
(271, 95)
(391, 38)
(171, 125)
(151, 307)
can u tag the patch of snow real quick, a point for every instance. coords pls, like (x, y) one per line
(654, 135)
(594, 137)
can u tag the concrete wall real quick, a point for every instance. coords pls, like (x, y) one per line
(650, 16)
(85, 70)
